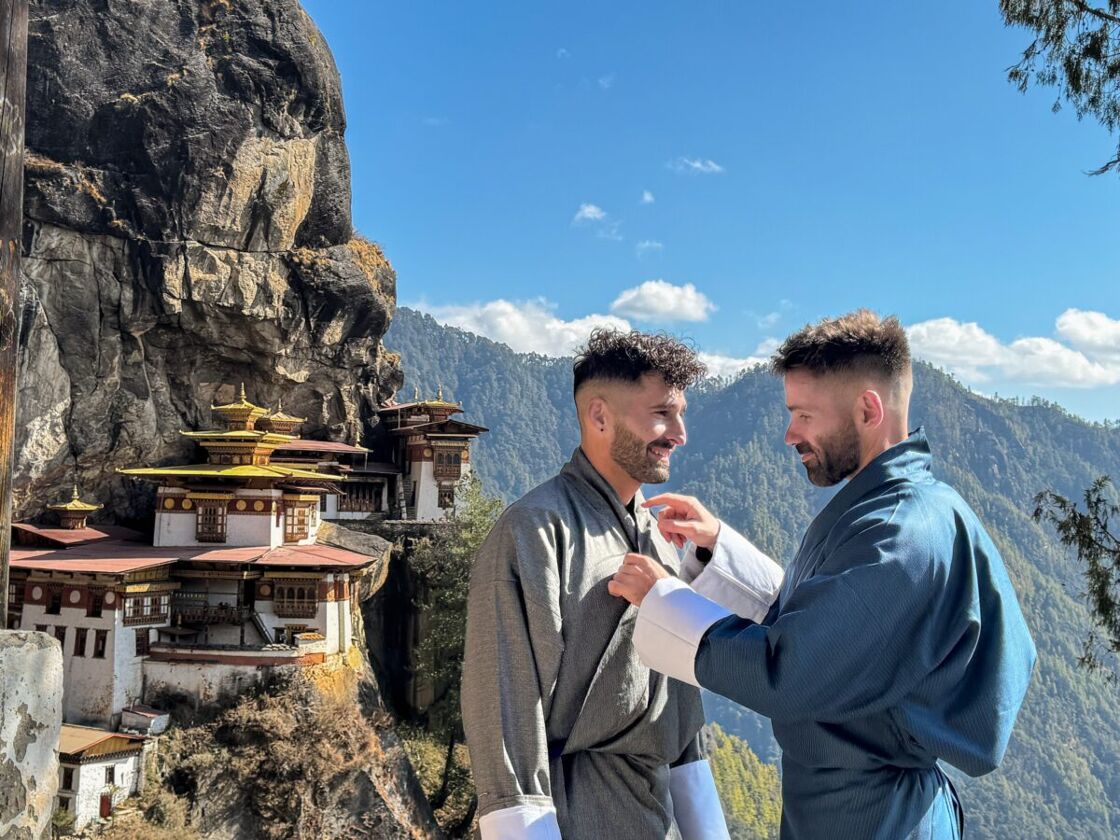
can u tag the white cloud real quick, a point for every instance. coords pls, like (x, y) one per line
(435, 122)
(658, 300)
(589, 213)
(695, 165)
(724, 367)
(1093, 333)
(607, 82)
(526, 326)
(647, 197)
(646, 246)
(563, 53)
(605, 225)
(976, 356)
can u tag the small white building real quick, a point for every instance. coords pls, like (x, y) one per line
(433, 451)
(98, 770)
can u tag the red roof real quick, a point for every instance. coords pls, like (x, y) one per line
(302, 445)
(116, 557)
(75, 536)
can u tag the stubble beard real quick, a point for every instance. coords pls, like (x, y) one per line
(836, 458)
(633, 456)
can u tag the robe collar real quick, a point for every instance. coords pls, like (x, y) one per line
(600, 492)
(910, 460)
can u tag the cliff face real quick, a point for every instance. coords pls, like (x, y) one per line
(187, 228)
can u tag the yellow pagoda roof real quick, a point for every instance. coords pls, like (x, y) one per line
(279, 414)
(275, 471)
(240, 434)
(75, 504)
(241, 404)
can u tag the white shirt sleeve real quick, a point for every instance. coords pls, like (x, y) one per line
(696, 805)
(739, 576)
(520, 822)
(671, 622)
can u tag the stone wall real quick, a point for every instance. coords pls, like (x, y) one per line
(30, 723)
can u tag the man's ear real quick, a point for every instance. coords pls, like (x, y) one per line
(869, 409)
(598, 414)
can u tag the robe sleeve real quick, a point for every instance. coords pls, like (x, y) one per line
(853, 639)
(511, 659)
(739, 576)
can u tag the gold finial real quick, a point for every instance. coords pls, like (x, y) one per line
(243, 392)
(279, 405)
(74, 498)
(439, 392)
(416, 393)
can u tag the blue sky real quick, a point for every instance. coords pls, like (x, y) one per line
(731, 171)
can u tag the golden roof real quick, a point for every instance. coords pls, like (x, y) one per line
(275, 471)
(253, 435)
(279, 414)
(75, 504)
(241, 404)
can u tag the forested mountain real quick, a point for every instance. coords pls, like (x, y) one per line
(1061, 777)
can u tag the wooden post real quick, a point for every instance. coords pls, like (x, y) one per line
(13, 82)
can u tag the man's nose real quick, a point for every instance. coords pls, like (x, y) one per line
(792, 438)
(677, 434)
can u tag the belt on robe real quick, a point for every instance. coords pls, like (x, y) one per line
(958, 809)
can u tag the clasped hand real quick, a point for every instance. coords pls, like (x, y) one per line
(681, 518)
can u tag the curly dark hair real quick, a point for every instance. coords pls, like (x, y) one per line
(626, 356)
(859, 342)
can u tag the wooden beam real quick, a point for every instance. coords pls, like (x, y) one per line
(13, 84)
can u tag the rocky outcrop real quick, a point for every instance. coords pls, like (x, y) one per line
(187, 228)
(30, 723)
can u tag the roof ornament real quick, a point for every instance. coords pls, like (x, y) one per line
(439, 392)
(415, 393)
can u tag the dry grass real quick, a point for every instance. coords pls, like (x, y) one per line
(370, 258)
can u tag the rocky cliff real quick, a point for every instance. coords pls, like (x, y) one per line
(187, 228)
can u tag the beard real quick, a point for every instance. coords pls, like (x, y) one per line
(632, 454)
(835, 458)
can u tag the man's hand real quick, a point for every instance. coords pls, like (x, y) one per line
(683, 518)
(636, 577)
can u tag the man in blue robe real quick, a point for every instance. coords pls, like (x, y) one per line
(896, 639)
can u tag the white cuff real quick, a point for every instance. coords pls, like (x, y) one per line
(738, 577)
(520, 822)
(671, 622)
(696, 805)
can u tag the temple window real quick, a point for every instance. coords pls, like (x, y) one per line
(296, 601)
(54, 599)
(15, 595)
(95, 603)
(211, 523)
(362, 497)
(80, 636)
(297, 522)
(100, 643)
(60, 634)
(142, 643)
(447, 497)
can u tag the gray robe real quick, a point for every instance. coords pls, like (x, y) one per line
(557, 707)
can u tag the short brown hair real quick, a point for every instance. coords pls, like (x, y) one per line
(627, 356)
(859, 342)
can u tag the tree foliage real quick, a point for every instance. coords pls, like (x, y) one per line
(442, 565)
(1076, 49)
(749, 790)
(1091, 533)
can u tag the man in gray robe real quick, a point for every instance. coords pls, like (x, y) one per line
(570, 735)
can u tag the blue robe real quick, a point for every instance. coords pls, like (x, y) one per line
(896, 641)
